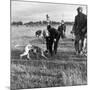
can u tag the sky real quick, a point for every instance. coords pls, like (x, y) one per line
(33, 11)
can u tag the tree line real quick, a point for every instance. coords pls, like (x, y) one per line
(19, 23)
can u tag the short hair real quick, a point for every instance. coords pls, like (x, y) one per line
(48, 26)
(79, 8)
(62, 21)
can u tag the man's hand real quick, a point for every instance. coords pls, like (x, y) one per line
(84, 29)
(54, 40)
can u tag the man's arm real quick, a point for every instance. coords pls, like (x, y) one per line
(74, 26)
(84, 30)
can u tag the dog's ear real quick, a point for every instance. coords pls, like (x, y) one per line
(32, 50)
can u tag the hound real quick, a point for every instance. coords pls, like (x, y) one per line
(26, 52)
(38, 33)
(35, 49)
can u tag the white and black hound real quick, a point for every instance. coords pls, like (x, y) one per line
(35, 49)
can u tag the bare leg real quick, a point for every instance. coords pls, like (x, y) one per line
(81, 46)
(85, 47)
(84, 44)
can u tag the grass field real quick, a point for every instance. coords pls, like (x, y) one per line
(64, 69)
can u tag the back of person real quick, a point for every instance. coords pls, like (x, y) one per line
(53, 33)
(61, 29)
(81, 22)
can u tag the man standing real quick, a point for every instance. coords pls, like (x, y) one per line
(53, 38)
(79, 30)
(62, 29)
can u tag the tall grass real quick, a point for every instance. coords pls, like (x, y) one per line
(47, 76)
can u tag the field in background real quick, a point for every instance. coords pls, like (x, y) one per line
(18, 31)
(64, 69)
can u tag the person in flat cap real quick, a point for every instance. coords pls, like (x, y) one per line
(79, 9)
(79, 29)
(52, 39)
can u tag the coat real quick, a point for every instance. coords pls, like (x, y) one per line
(80, 24)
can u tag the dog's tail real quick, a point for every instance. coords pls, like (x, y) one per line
(18, 45)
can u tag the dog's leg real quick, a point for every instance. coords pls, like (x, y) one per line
(28, 57)
(24, 54)
(37, 55)
(42, 53)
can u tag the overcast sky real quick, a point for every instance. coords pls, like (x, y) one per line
(33, 11)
